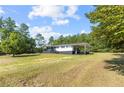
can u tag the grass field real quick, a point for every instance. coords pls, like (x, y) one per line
(99, 69)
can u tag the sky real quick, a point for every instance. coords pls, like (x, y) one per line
(50, 20)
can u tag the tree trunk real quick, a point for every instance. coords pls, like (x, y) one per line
(13, 54)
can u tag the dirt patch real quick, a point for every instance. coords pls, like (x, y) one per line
(50, 60)
(4, 61)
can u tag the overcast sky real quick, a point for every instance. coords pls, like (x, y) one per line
(50, 20)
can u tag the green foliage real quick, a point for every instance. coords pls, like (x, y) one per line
(40, 43)
(39, 50)
(51, 40)
(39, 40)
(108, 26)
(79, 38)
(15, 44)
(24, 29)
(13, 40)
(32, 45)
(1, 22)
(9, 24)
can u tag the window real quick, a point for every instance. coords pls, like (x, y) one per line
(67, 46)
(62, 46)
(57, 47)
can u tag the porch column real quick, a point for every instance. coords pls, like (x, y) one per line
(85, 49)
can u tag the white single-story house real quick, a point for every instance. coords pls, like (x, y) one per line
(76, 48)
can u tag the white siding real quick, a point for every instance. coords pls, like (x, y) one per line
(64, 48)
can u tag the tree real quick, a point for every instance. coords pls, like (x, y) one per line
(6, 27)
(61, 40)
(24, 29)
(32, 45)
(3, 31)
(40, 40)
(108, 26)
(77, 38)
(30, 42)
(9, 24)
(1, 22)
(51, 39)
(15, 41)
(15, 44)
(29, 45)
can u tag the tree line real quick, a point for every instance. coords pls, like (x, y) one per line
(16, 39)
(108, 27)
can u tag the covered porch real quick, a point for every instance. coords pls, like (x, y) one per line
(76, 48)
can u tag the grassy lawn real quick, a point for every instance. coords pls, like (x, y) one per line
(99, 69)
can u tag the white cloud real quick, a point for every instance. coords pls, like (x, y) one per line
(17, 24)
(72, 12)
(28, 24)
(1, 11)
(46, 11)
(84, 32)
(46, 31)
(58, 14)
(60, 22)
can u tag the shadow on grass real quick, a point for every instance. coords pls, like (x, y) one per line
(26, 55)
(116, 64)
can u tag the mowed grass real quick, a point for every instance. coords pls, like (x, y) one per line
(60, 70)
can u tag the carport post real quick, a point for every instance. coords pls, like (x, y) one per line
(85, 48)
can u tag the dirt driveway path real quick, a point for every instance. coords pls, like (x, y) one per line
(95, 74)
